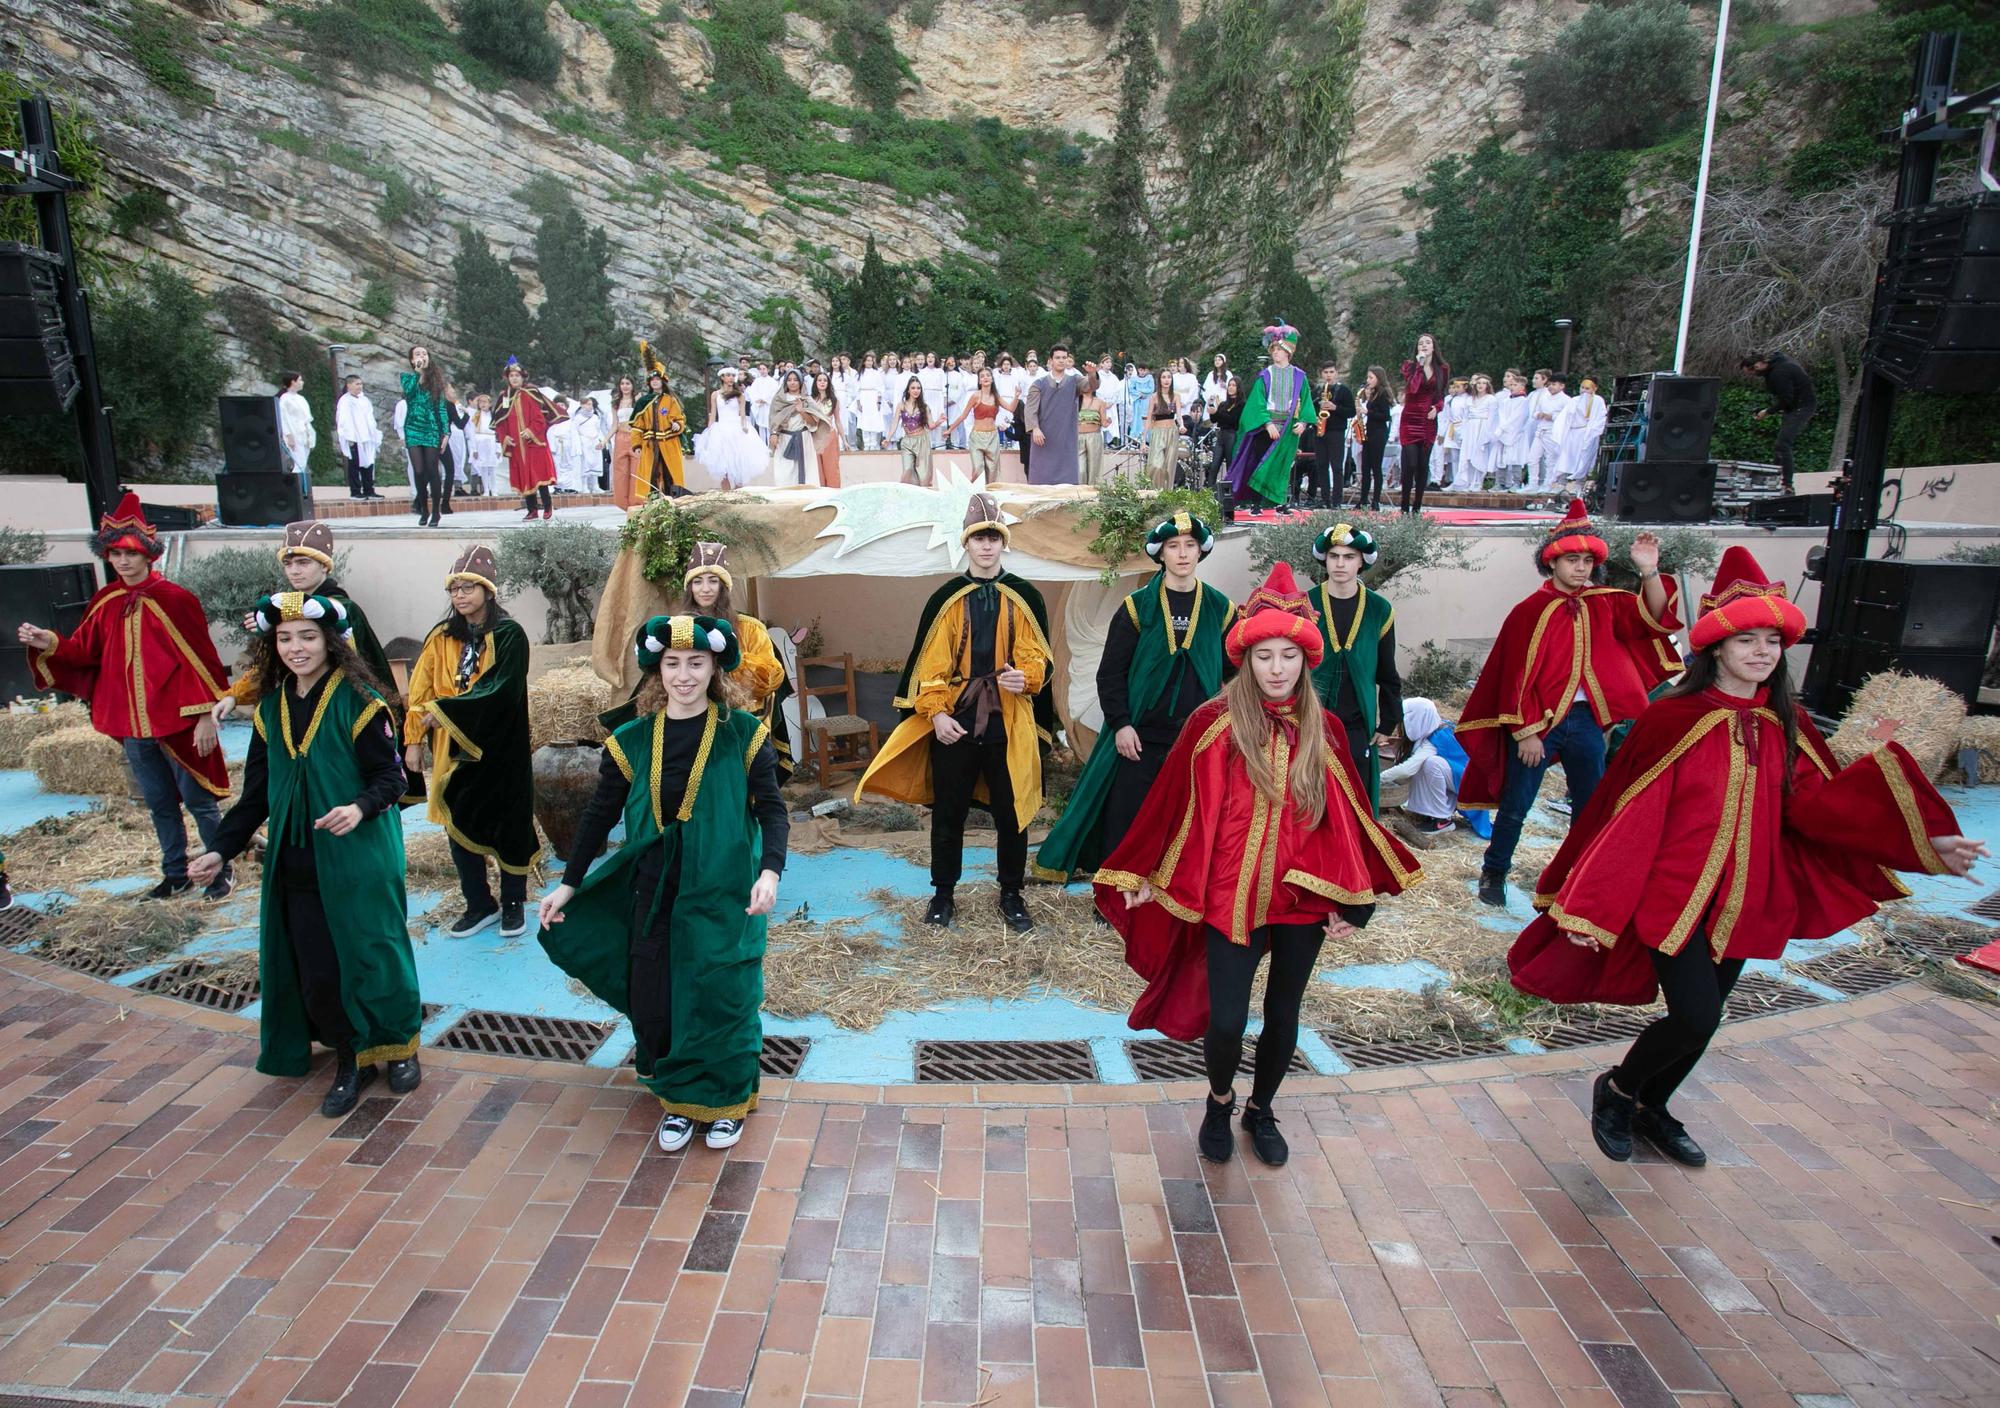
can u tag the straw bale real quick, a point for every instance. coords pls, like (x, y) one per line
(563, 706)
(81, 762)
(1980, 736)
(1922, 715)
(20, 727)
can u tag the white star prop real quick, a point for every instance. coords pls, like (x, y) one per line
(867, 513)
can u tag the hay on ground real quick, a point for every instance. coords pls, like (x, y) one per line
(113, 839)
(20, 727)
(105, 928)
(80, 762)
(563, 706)
(1923, 715)
(427, 860)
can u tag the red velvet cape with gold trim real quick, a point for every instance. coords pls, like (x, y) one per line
(142, 659)
(1601, 640)
(1695, 830)
(1216, 852)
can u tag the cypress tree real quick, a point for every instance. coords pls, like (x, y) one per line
(1120, 308)
(874, 313)
(577, 337)
(786, 344)
(486, 304)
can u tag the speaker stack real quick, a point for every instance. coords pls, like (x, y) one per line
(1660, 491)
(1937, 321)
(37, 374)
(51, 597)
(1656, 433)
(257, 487)
(1933, 619)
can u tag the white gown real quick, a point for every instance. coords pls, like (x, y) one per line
(731, 449)
(870, 401)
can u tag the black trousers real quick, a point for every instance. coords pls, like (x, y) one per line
(528, 500)
(1130, 782)
(448, 469)
(1695, 987)
(1225, 449)
(955, 767)
(1789, 430)
(1294, 949)
(472, 883)
(650, 975)
(360, 478)
(424, 478)
(1416, 476)
(317, 959)
(1369, 492)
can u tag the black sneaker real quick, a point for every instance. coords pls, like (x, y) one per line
(220, 888)
(472, 922)
(513, 919)
(405, 1076)
(1669, 1136)
(345, 1092)
(940, 909)
(1611, 1119)
(1493, 888)
(1215, 1141)
(1014, 911)
(169, 889)
(1264, 1137)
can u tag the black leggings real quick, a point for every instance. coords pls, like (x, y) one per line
(1695, 987)
(472, 882)
(528, 500)
(1294, 949)
(1416, 476)
(318, 963)
(1369, 493)
(424, 477)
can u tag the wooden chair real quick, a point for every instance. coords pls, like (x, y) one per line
(833, 743)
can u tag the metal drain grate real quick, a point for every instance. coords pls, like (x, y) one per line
(513, 1034)
(90, 964)
(781, 1056)
(191, 980)
(1589, 1031)
(1759, 997)
(1154, 1059)
(1855, 972)
(1988, 908)
(1410, 1051)
(1941, 945)
(18, 923)
(967, 1061)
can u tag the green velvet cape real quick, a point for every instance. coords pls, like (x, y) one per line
(488, 793)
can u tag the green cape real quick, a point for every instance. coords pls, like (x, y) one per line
(1356, 658)
(1272, 479)
(360, 878)
(489, 795)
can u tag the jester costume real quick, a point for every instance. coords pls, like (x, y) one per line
(658, 931)
(1280, 397)
(1163, 658)
(658, 421)
(1357, 677)
(351, 985)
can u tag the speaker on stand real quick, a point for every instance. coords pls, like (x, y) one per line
(257, 486)
(1660, 491)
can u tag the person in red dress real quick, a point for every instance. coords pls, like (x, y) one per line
(1723, 830)
(521, 423)
(1256, 838)
(142, 659)
(1572, 659)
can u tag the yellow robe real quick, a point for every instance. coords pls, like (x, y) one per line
(656, 446)
(760, 673)
(435, 676)
(902, 770)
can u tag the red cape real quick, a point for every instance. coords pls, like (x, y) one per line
(1601, 641)
(523, 432)
(1698, 828)
(143, 661)
(1205, 842)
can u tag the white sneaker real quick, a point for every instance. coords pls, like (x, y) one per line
(723, 1133)
(675, 1131)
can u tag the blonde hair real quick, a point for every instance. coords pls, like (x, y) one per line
(1251, 730)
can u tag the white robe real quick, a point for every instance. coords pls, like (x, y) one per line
(1544, 448)
(758, 397)
(958, 387)
(1215, 389)
(871, 401)
(1476, 442)
(1510, 429)
(355, 428)
(1011, 386)
(397, 417)
(1186, 389)
(1111, 391)
(482, 444)
(296, 417)
(1582, 428)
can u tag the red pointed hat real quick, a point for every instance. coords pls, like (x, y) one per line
(1277, 610)
(1743, 600)
(126, 527)
(1573, 535)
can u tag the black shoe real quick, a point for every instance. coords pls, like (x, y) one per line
(1264, 1137)
(513, 919)
(345, 1091)
(1669, 1136)
(940, 909)
(220, 888)
(6, 892)
(1611, 1119)
(1493, 888)
(1215, 1141)
(169, 889)
(471, 922)
(405, 1076)
(1014, 910)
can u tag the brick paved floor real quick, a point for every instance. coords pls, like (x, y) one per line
(173, 1224)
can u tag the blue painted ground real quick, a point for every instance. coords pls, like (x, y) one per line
(512, 975)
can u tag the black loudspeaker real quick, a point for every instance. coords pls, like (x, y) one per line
(1792, 511)
(51, 597)
(259, 500)
(1660, 491)
(1937, 321)
(1680, 416)
(1920, 606)
(1961, 671)
(251, 440)
(37, 375)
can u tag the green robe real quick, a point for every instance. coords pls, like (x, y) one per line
(1046, 722)
(1075, 846)
(715, 952)
(1271, 480)
(488, 792)
(361, 876)
(1355, 658)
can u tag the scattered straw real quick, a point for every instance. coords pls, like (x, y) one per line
(427, 860)
(101, 927)
(1923, 715)
(19, 728)
(563, 706)
(112, 840)
(80, 762)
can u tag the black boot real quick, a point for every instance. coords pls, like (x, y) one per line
(345, 1091)
(1611, 1119)
(940, 909)
(1264, 1137)
(405, 1076)
(1493, 888)
(1669, 1136)
(1215, 1141)
(1014, 911)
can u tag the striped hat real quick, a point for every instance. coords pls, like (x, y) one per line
(711, 633)
(1573, 535)
(1181, 523)
(1744, 601)
(1277, 610)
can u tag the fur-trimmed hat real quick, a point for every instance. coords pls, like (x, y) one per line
(1281, 332)
(1277, 610)
(309, 538)
(709, 557)
(715, 634)
(475, 564)
(126, 527)
(1181, 523)
(983, 514)
(279, 607)
(1573, 535)
(1346, 535)
(1743, 600)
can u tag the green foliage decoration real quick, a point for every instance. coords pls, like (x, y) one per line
(488, 309)
(161, 364)
(1125, 511)
(1439, 674)
(21, 545)
(567, 563)
(663, 532)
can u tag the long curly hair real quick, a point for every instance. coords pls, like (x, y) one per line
(274, 674)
